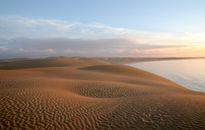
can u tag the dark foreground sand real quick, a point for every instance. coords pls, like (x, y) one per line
(92, 94)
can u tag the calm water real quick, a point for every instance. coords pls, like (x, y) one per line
(188, 73)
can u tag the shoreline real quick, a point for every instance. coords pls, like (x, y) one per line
(184, 81)
(127, 60)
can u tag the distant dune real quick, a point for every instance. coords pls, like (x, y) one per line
(49, 62)
(86, 93)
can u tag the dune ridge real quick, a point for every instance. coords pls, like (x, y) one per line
(49, 62)
(93, 94)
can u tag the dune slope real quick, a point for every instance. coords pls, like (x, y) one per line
(96, 96)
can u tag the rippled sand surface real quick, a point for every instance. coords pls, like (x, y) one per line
(102, 96)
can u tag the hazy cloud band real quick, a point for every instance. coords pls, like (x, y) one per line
(26, 37)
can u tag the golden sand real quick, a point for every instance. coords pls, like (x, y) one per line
(92, 94)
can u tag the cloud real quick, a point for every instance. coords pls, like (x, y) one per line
(27, 37)
(3, 49)
(21, 49)
(45, 47)
(13, 27)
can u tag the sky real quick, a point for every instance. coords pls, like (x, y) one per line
(99, 28)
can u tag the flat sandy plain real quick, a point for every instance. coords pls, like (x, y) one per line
(93, 94)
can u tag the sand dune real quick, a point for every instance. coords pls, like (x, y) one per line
(92, 94)
(49, 62)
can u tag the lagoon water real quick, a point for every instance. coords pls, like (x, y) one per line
(188, 73)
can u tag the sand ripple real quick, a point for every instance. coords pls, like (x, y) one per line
(86, 98)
